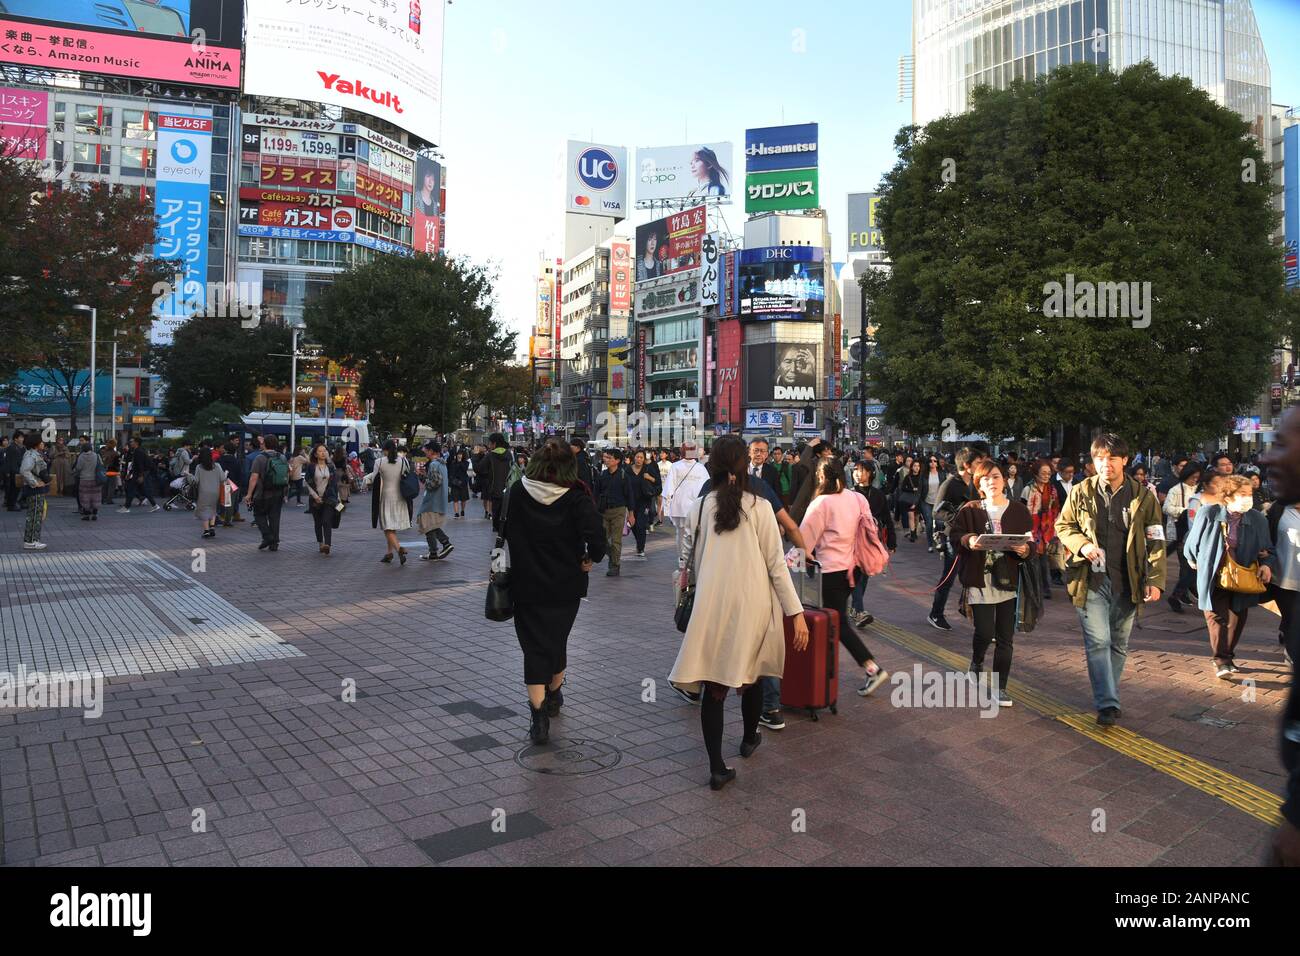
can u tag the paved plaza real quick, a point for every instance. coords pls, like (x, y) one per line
(287, 708)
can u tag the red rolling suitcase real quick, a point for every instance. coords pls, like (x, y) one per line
(812, 676)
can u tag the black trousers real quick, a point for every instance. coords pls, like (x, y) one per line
(994, 622)
(11, 492)
(1287, 602)
(323, 519)
(137, 488)
(641, 527)
(266, 515)
(835, 594)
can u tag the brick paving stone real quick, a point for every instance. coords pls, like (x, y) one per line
(241, 715)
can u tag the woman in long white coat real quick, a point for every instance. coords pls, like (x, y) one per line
(743, 594)
(388, 509)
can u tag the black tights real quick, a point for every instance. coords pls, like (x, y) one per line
(711, 698)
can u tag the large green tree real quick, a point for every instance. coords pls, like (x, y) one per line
(216, 359)
(405, 324)
(1128, 177)
(79, 243)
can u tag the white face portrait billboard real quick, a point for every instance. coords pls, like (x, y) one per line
(390, 67)
(596, 180)
(684, 172)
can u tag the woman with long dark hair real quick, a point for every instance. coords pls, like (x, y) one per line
(388, 509)
(458, 480)
(209, 478)
(933, 473)
(555, 537)
(731, 544)
(710, 178)
(322, 480)
(829, 528)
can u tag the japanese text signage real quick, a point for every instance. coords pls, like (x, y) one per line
(381, 57)
(24, 123)
(620, 276)
(184, 41)
(783, 190)
(181, 202)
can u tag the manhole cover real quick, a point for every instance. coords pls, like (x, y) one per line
(569, 757)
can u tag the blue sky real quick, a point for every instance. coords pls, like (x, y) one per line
(521, 78)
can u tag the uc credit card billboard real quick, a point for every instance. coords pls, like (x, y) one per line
(596, 181)
(182, 41)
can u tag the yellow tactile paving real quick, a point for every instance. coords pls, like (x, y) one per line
(1243, 795)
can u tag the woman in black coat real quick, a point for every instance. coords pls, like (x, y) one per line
(458, 483)
(555, 537)
(991, 578)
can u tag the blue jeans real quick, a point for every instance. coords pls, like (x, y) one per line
(1107, 621)
(927, 516)
(771, 693)
(859, 589)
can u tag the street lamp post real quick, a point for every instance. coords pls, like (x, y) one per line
(94, 315)
(293, 395)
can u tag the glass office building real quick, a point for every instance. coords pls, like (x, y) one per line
(961, 44)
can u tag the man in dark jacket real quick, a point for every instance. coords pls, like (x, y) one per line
(615, 499)
(142, 468)
(586, 474)
(806, 474)
(759, 466)
(1283, 464)
(497, 469)
(953, 493)
(13, 465)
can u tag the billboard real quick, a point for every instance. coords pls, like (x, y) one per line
(24, 123)
(684, 172)
(711, 274)
(181, 41)
(1291, 203)
(425, 205)
(596, 182)
(670, 245)
(383, 62)
(620, 276)
(181, 200)
(673, 297)
(781, 147)
(728, 372)
(617, 357)
(781, 190)
(780, 372)
(785, 282)
(864, 230)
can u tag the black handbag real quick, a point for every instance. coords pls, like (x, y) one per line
(499, 605)
(686, 600)
(409, 485)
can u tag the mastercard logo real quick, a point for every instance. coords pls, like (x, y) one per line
(582, 200)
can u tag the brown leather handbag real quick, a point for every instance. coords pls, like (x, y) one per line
(1235, 577)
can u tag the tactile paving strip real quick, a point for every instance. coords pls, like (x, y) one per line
(120, 613)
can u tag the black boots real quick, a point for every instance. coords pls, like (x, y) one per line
(540, 731)
(554, 701)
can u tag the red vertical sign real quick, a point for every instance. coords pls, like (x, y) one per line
(728, 371)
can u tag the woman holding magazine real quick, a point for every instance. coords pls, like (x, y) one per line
(991, 577)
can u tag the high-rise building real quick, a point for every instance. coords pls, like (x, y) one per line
(959, 45)
(584, 338)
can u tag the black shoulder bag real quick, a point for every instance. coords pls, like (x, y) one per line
(686, 600)
(500, 605)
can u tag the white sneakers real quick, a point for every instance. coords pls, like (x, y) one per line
(35, 545)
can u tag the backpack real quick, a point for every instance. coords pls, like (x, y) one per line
(277, 471)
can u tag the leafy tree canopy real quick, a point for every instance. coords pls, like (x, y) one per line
(1127, 178)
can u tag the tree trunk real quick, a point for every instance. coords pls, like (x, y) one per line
(1072, 442)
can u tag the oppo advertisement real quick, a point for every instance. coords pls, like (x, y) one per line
(700, 171)
(780, 372)
(181, 41)
(784, 283)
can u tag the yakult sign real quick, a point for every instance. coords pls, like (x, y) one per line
(387, 66)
